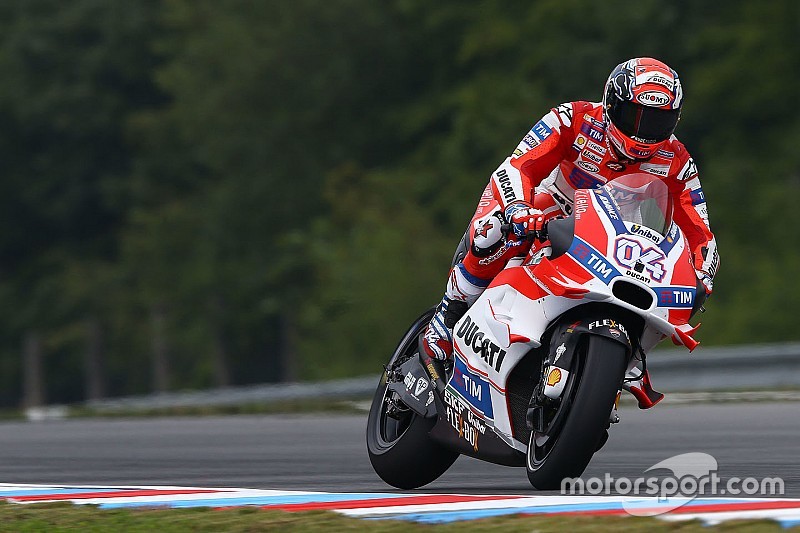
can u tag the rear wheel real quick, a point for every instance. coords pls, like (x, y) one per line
(398, 444)
(574, 430)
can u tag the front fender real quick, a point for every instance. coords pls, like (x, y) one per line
(567, 335)
(569, 330)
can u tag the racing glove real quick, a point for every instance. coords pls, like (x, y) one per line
(707, 282)
(524, 219)
(706, 263)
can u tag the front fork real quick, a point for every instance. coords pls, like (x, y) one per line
(557, 366)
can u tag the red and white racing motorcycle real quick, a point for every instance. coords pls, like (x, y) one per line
(541, 358)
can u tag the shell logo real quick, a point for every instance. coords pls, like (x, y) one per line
(554, 377)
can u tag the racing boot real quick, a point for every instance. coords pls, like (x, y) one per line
(461, 292)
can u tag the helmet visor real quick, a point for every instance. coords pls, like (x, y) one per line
(643, 123)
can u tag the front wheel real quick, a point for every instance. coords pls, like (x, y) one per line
(577, 427)
(398, 444)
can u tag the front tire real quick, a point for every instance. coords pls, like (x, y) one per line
(589, 405)
(399, 448)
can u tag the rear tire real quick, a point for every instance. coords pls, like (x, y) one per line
(586, 422)
(401, 451)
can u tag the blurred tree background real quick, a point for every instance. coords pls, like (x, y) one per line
(202, 193)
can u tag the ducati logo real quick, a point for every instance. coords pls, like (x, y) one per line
(616, 167)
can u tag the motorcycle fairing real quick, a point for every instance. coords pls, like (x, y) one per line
(512, 315)
(460, 428)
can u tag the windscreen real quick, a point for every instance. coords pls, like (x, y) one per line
(642, 199)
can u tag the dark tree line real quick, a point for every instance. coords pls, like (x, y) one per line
(199, 193)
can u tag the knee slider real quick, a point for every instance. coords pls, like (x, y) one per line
(488, 237)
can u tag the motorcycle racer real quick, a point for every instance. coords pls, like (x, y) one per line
(579, 145)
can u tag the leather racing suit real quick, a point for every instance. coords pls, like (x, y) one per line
(567, 150)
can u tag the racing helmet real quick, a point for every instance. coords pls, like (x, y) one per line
(642, 104)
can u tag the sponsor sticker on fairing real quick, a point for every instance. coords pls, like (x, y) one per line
(592, 260)
(675, 297)
(472, 387)
(555, 381)
(631, 254)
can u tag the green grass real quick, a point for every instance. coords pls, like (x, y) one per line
(54, 517)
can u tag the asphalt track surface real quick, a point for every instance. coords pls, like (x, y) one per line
(327, 452)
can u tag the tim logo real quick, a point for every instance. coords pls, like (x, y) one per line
(632, 255)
